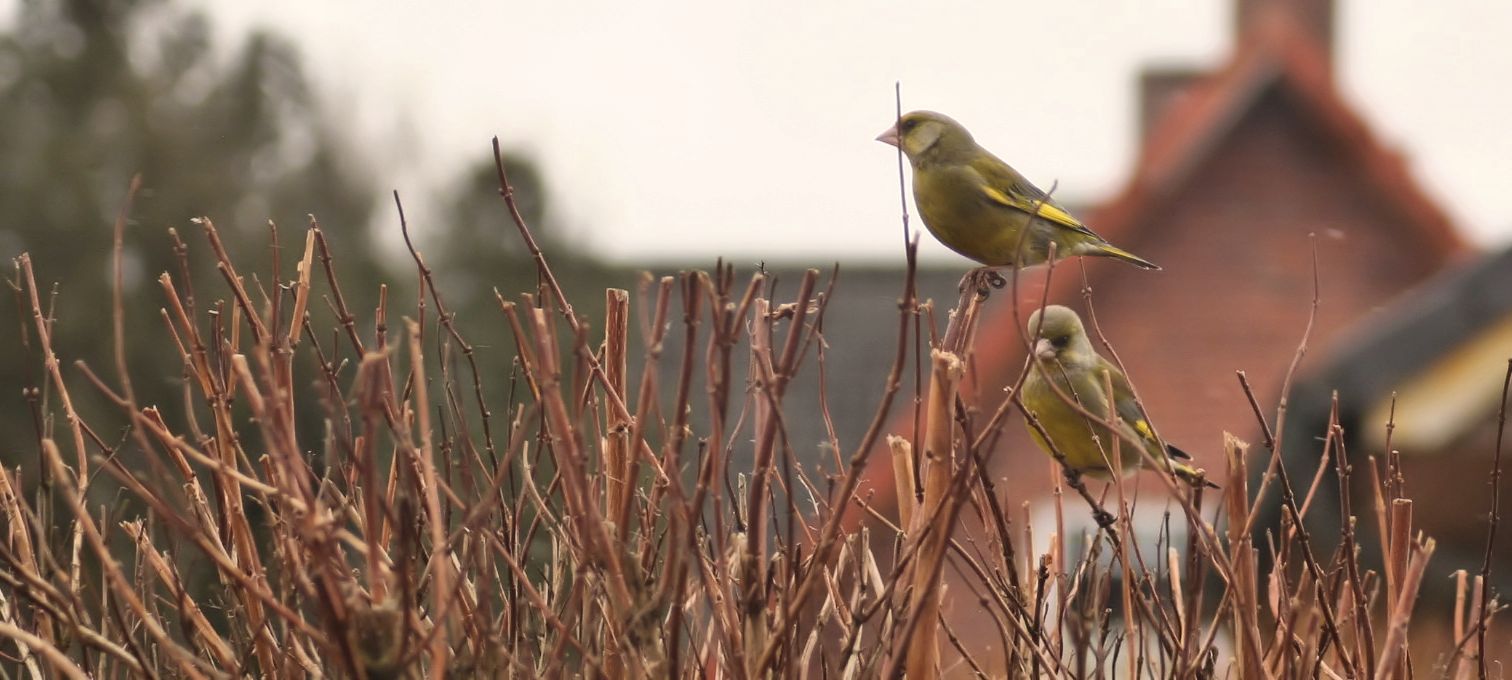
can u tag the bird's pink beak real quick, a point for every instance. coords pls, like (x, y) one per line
(890, 137)
(1044, 349)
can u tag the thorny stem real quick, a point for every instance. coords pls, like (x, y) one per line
(1492, 520)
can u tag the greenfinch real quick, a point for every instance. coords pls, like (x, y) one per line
(978, 206)
(1064, 360)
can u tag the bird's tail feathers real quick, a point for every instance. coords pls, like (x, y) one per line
(1195, 476)
(1108, 250)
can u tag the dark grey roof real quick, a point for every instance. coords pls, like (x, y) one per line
(1393, 344)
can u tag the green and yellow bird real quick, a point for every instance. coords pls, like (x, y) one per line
(1064, 360)
(978, 206)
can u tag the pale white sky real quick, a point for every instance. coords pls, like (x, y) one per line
(675, 129)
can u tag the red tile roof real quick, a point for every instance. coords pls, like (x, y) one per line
(1275, 52)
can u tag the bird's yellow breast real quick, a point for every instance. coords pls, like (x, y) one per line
(1086, 444)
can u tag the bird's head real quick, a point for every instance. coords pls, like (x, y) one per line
(1061, 336)
(926, 136)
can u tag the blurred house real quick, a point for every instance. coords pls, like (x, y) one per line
(1244, 174)
(1247, 176)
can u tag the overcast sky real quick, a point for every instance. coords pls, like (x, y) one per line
(694, 129)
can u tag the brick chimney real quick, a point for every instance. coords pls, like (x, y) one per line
(1160, 86)
(1314, 16)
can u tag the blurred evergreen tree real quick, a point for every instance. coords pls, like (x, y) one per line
(478, 250)
(481, 249)
(94, 91)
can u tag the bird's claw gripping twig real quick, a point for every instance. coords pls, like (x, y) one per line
(1104, 519)
(984, 279)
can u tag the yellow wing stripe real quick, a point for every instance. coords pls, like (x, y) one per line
(1045, 209)
(1143, 428)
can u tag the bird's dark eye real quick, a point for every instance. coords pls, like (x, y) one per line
(1061, 342)
(907, 125)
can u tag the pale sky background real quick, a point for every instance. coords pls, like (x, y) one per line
(670, 130)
